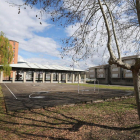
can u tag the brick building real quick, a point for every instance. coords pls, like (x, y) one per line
(15, 50)
(15, 45)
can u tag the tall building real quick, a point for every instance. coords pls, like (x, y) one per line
(15, 45)
(15, 50)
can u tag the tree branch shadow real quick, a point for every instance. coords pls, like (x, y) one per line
(73, 123)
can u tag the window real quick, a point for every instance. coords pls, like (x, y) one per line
(128, 70)
(14, 43)
(130, 61)
(114, 65)
(127, 75)
(114, 69)
(100, 70)
(100, 75)
(91, 70)
(115, 75)
(91, 75)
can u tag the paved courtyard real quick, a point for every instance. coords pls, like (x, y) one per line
(21, 96)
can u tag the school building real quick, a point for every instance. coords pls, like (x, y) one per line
(111, 74)
(30, 72)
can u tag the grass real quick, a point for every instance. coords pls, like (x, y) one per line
(2, 104)
(112, 120)
(106, 86)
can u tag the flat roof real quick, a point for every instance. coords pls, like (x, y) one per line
(13, 40)
(123, 58)
(43, 67)
(130, 57)
(100, 66)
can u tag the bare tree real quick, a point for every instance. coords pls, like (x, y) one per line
(110, 24)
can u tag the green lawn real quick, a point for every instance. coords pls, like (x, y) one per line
(106, 86)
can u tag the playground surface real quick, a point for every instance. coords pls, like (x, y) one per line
(22, 96)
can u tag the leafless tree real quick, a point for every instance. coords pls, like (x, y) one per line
(110, 24)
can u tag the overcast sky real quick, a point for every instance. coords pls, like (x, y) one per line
(38, 43)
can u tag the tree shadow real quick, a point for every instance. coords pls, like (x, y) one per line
(80, 123)
(73, 124)
(68, 120)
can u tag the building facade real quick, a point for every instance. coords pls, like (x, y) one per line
(30, 72)
(111, 74)
(15, 45)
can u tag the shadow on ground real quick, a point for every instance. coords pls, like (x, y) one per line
(61, 123)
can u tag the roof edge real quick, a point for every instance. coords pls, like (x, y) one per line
(13, 40)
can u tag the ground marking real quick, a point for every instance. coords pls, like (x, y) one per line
(10, 91)
(39, 92)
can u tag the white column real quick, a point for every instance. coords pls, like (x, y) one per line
(76, 78)
(13, 80)
(66, 78)
(51, 77)
(1, 77)
(43, 78)
(85, 78)
(24, 77)
(79, 78)
(59, 77)
(73, 76)
(34, 78)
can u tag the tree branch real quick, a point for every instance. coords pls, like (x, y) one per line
(138, 10)
(108, 32)
(112, 22)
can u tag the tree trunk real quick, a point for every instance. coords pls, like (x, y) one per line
(136, 82)
(138, 10)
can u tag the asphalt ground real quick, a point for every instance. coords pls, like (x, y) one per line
(22, 96)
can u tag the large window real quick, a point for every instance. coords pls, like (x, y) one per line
(115, 69)
(91, 70)
(115, 75)
(128, 75)
(100, 70)
(100, 73)
(91, 75)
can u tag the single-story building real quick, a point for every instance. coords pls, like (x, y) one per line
(42, 73)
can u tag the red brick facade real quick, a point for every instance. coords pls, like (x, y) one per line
(15, 50)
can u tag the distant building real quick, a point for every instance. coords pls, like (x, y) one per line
(30, 72)
(15, 45)
(111, 74)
